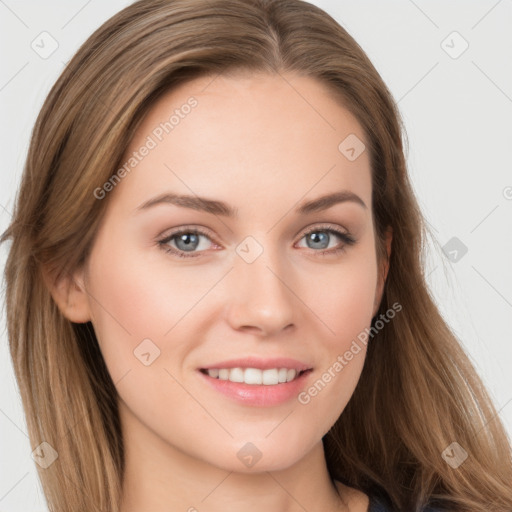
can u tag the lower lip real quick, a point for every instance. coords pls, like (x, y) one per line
(258, 395)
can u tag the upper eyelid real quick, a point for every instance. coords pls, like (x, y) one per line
(205, 231)
(202, 231)
(325, 226)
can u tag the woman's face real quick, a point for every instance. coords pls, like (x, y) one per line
(250, 289)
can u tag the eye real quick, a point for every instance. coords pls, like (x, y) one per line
(320, 237)
(186, 240)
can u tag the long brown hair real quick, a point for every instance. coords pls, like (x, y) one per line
(418, 392)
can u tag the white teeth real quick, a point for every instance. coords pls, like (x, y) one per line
(254, 376)
(270, 377)
(236, 375)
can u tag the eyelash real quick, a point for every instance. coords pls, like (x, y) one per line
(345, 237)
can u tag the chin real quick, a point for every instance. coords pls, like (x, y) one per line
(257, 457)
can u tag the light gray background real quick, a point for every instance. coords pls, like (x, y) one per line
(457, 113)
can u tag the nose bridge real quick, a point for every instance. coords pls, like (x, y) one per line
(262, 297)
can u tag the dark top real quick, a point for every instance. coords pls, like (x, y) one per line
(376, 505)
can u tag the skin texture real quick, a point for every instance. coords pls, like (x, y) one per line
(264, 144)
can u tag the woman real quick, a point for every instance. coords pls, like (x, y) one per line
(215, 290)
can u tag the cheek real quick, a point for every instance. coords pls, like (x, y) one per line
(130, 302)
(344, 296)
(133, 289)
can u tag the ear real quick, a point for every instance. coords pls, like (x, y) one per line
(383, 272)
(69, 293)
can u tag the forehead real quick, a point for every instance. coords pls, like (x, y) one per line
(247, 137)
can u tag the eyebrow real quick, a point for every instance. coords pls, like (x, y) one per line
(223, 209)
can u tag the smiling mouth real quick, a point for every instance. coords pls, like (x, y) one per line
(255, 376)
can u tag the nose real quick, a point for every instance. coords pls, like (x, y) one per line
(261, 296)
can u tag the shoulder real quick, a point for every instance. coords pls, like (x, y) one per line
(358, 501)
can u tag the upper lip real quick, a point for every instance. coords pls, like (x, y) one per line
(262, 364)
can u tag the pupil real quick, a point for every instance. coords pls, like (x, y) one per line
(188, 243)
(316, 238)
